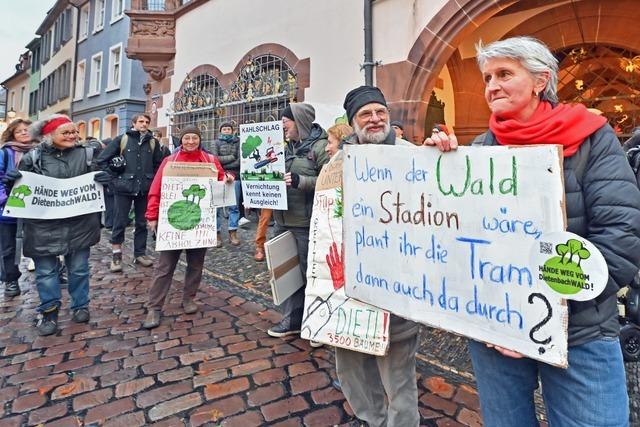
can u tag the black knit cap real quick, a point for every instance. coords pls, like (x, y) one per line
(397, 123)
(226, 125)
(361, 96)
(287, 113)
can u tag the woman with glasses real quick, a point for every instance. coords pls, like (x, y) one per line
(15, 142)
(59, 156)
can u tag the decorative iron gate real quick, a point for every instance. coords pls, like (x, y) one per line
(264, 87)
(605, 78)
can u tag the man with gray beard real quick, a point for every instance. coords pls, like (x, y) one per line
(365, 379)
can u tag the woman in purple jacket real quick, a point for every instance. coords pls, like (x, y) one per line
(14, 143)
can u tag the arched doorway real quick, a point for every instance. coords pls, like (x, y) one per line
(447, 46)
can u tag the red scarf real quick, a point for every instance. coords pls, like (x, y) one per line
(566, 125)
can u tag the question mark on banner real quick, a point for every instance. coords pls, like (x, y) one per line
(540, 324)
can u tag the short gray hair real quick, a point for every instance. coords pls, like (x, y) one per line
(531, 53)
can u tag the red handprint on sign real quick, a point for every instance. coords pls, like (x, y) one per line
(336, 266)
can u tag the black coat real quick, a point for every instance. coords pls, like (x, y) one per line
(46, 237)
(142, 163)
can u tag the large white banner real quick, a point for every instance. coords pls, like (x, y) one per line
(262, 165)
(446, 239)
(41, 197)
(330, 316)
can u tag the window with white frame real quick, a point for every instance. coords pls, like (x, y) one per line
(117, 10)
(95, 82)
(84, 22)
(12, 104)
(98, 18)
(115, 67)
(80, 73)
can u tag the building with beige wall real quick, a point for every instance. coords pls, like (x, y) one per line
(17, 87)
(57, 59)
(213, 60)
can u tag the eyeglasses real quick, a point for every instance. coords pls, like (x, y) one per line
(367, 115)
(68, 133)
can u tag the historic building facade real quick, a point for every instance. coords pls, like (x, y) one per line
(214, 60)
(17, 87)
(57, 53)
(108, 88)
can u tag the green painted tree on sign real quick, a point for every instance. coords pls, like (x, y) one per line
(186, 214)
(16, 199)
(252, 142)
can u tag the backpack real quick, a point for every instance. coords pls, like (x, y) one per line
(5, 156)
(125, 139)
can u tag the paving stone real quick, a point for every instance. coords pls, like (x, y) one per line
(134, 386)
(135, 419)
(28, 402)
(200, 356)
(467, 397)
(215, 411)
(79, 385)
(206, 377)
(15, 421)
(175, 375)
(284, 408)
(94, 398)
(326, 395)
(447, 422)
(159, 366)
(308, 382)
(71, 421)
(469, 418)
(248, 419)
(114, 355)
(439, 386)
(7, 394)
(119, 376)
(47, 413)
(269, 376)
(266, 394)
(324, 416)
(292, 422)
(439, 404)
(161, 394)
(251, 367)
(100, 414)
(174, 406)
(224, 362)
(65, 348)
(215, 391)
(300, 368)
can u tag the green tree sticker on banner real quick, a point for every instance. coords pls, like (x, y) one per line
(252, 142)
(16, 199)
(563, 274)
(186, 214)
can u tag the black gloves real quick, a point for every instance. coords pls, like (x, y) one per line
(102, 178)
(11, 176)
(295, 180)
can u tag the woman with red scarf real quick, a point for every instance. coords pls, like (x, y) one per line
(15, 142)
(602, 205)
(190, 151)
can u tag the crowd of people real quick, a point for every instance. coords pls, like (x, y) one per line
(520, 76)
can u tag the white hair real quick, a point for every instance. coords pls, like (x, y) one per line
(366, 137)
(35, 130)
(531, 53)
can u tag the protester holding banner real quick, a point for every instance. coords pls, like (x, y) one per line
(304, 157)
(227, 149)
(366, 378)
(15, 142)
(602, 205)
(59, 156)
(190, 151)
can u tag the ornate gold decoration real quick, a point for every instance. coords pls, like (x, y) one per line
(630, 64)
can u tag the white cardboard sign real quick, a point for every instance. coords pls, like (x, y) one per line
(262, 165)
(445, 239)
(187, 215)
(37, 196)
(330, 316)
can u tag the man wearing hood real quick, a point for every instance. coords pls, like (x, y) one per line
(364, 378)
(304, 157)
(138, 157)
(227, 149)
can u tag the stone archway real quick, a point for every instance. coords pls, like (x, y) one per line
(449, 37)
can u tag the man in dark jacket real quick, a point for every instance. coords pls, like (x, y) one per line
(227, 149)
(364, 376)
(132, 159)
(304, 157)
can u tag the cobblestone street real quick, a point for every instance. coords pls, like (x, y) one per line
(215, 367)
